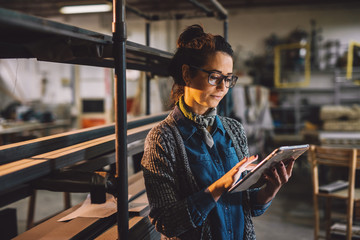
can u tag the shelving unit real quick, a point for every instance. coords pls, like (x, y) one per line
(25, 36)
(300, 103)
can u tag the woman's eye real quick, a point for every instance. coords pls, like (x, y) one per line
(215, 76)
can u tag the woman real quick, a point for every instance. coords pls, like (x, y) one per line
(191, 158)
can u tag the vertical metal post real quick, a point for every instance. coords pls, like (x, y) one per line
(148, 78)
(297, 109)
(226, 98)
(226, 27)
(119, 51)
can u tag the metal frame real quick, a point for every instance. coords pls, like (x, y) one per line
(99, 49)
(119, 37)
(119, 40)
(350, 60)
(222, 15)
(57, 42)
(277, 65)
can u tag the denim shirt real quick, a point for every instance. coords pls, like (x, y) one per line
(208, 165)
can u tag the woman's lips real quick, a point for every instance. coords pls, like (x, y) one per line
(217, 97)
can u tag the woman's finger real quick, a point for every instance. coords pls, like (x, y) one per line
(246, 161)
(282, 173)
(250, 167)
(275, 176)
(270, 179)
(289, 167)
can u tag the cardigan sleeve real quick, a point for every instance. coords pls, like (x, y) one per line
(257, 209)
(169, 211)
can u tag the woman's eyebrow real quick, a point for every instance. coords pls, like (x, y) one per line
(215, 70)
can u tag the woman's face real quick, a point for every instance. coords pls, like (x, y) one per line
(199, 95)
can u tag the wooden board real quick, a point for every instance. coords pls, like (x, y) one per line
(24, 170)
(82, 228)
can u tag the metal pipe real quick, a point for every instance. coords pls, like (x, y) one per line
(222, 11)
(170, 16)
(226, 98)
(119, 41)
(147, 36)
(138, 12)
(208, 12)
(226, 29)
(148, 78)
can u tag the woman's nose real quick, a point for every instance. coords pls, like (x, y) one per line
(221, 85)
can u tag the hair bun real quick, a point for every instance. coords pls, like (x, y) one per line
(193, 37)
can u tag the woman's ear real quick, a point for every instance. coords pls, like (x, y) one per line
(186, 73)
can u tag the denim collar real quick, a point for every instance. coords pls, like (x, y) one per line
(188, 127)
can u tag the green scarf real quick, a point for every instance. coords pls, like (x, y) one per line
(202, 121)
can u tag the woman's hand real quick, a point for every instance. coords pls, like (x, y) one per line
(225, 182)
(275, 178)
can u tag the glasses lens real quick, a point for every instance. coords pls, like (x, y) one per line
(215, 78)
(231, 81)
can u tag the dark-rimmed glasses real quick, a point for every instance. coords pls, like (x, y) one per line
(215, 78)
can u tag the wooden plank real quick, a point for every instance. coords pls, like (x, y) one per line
(25, 149)
(107, 159)
(94, 164)
(335, 156)
(135, 177)
(78, 228)
(139, 206)
(25, 170)
(16, 151)
(69, 229)
(136, 147)
(139, 228)
(138, 133)
(19, 165)
(30, 169)
(34, 126)
(138, 203)
(40, 230)
(137, 188)
(111, 233)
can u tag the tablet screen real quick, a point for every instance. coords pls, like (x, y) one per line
(279, 154)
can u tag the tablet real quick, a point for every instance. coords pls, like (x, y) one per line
(283, 153)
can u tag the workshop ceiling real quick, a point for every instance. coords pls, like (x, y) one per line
(177, 8)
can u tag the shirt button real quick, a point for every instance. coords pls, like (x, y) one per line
(230, 231)
(217, 160)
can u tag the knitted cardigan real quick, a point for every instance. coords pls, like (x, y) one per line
(169, 181)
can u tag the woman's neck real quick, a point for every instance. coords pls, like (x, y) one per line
(194, 107)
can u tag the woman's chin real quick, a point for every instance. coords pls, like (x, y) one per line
(214, 103)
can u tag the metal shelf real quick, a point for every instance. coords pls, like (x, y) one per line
(303, 90)
(25, 36)
(343, 92)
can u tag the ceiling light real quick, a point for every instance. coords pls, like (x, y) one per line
(94, 8)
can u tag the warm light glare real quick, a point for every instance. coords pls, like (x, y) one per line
(86, 9)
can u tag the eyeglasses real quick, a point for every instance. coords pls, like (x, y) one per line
(215, 78)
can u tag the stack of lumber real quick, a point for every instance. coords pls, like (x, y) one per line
(340, 118)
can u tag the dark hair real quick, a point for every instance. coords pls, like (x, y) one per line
(194, 46)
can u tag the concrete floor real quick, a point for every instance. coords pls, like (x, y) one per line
(289, 217)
